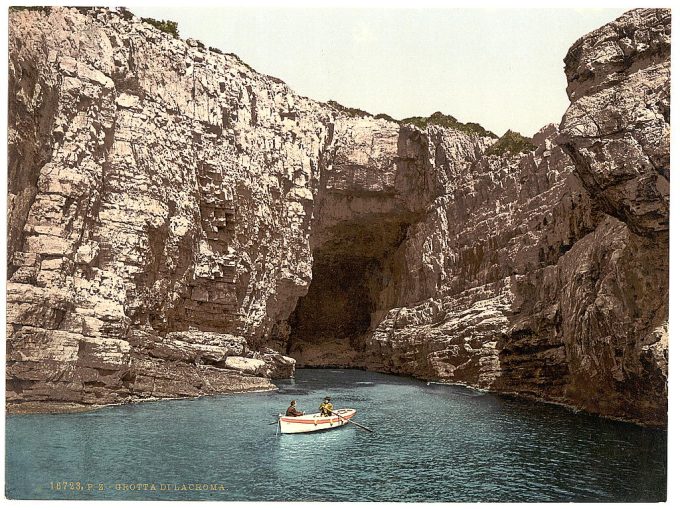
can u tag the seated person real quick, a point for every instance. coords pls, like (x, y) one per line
(292, 411)
(326, 408)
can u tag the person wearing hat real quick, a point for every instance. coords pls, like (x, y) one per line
(292, 411)
(326, 408)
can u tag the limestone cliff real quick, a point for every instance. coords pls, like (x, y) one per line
(180, 224)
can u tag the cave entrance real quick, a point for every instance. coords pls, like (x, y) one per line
(355, 266)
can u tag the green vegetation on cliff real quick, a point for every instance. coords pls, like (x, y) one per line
(448, 121)
(350, 112)
(384, 116)
(39, 8)
(436, 119)
(167, 26)
(511, 142)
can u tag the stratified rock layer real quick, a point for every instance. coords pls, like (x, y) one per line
(180, 225)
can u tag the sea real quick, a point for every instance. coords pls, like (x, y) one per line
(429, 442)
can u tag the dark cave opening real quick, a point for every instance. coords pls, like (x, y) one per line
(353, 271)
(328, 323)
(339, 303)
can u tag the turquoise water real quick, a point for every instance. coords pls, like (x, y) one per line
(432, 443)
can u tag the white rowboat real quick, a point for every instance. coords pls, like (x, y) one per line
(315, 422)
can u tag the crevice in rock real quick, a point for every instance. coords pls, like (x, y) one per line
(32, 109)
(350, 275)
(374, 184)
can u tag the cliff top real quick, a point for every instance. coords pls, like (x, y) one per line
(169, 29)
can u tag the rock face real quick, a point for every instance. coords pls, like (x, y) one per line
(617, 131)
(180, 225)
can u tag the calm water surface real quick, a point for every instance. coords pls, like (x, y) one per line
(432, 443)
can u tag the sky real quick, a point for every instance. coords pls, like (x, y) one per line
(501, 68)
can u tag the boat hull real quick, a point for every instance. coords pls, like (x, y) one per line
(314, 422)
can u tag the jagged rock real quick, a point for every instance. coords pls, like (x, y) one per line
(617, 128)
(199, 347)
(178, 223)
(277, 365)
(248, 365)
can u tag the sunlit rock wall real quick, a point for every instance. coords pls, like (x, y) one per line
(546, 274)
(157, 189)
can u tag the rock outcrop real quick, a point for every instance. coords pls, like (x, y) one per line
(180, 225)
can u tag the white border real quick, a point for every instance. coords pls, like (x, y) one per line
(673, 492)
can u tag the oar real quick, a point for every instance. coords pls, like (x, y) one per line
(278, 425)
(352, 422)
